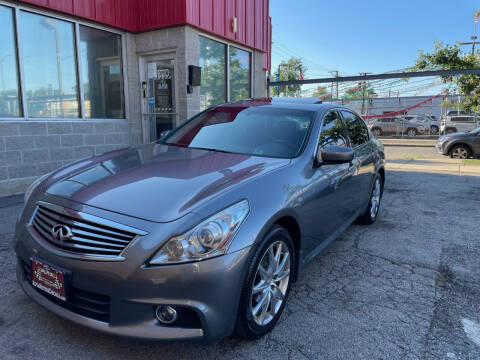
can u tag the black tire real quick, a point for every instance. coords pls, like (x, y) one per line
(366, 217)
(376, 132)
(246, 325)
(450, 131)
(411, 132)
(460, 152)
(433, 130)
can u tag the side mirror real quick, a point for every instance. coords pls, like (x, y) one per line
(334, 155)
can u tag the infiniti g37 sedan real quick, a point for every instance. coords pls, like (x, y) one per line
(202, 233)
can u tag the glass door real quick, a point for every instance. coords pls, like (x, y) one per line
(158, 86)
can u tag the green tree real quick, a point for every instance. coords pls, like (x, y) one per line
(449, 57)
(322, 92)
(360, 91)
(290, 70)
(212, 61)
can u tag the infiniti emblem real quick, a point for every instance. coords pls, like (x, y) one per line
(62, 232)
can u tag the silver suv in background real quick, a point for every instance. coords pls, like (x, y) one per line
(459, 123)
(395, 126)
(432, 125)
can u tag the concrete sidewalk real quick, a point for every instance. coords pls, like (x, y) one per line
(434, 166)
(409, 142)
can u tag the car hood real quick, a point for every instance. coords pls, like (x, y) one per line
(156, 182)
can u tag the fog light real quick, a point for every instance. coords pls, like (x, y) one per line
(166, 314)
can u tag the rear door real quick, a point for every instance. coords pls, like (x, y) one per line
(363, 161)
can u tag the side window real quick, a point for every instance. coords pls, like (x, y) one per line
(356, 128)
(332, 131)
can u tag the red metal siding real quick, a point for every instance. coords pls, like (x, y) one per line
(212, 16)
(249, 23)
(84, 8)
(267, 56)
(155, 14)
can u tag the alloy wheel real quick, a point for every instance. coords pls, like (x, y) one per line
(434, 130)
(271, 283)
(459, 153)
(375, 198)
(411, 132)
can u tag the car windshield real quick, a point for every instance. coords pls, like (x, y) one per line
(256, 130)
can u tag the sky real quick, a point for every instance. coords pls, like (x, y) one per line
(375, 36)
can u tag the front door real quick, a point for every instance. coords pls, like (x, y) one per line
(325, 210)
(158, 96)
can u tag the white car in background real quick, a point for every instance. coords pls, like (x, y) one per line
(459, 123)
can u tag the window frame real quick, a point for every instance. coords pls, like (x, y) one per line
(227, 63)
(337, 110)
(76, 39)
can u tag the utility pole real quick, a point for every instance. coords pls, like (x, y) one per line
(335, 74)
(473, 42)
(363, 85)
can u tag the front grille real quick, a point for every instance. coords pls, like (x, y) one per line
(85, 303)
(90, 238)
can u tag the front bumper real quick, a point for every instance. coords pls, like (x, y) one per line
(442, 147)
(210, 290)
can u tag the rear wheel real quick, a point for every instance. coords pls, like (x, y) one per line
(451, 131)
(370, 214)
(267, 285)
(460, 152)
(411, 132)
(376, 132)
(433, 130)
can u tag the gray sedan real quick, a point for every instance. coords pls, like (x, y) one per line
(460, 145)
(202, 233)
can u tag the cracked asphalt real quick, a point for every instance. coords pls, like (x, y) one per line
(407, 287)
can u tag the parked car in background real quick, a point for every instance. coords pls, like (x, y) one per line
(457, 112)
(203, 232)
(395, 125)
(459, 123)
(461, 145)
(432, 125)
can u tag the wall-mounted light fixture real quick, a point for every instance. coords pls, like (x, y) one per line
(234, 24)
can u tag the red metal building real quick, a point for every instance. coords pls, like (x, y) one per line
(214, 16)
(79, 77)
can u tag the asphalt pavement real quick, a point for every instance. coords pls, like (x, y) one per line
(406, 287)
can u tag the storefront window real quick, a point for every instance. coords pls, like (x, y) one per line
(9, 89)
(49, 66)
(102, 79)
(213, 89)
(239, 74)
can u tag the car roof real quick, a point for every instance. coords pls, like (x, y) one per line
(294, 104)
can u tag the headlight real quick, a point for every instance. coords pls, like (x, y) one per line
(32, 187)
(208, 239)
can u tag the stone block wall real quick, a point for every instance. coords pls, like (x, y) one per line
(29, 149)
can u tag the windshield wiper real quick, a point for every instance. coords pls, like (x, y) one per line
(209, 149)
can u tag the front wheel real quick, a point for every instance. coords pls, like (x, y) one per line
(376, 132)
(267, 284)
(371, 212)
(411, 132)
(460, 152)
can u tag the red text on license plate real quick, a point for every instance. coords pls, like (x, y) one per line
(48, 279)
